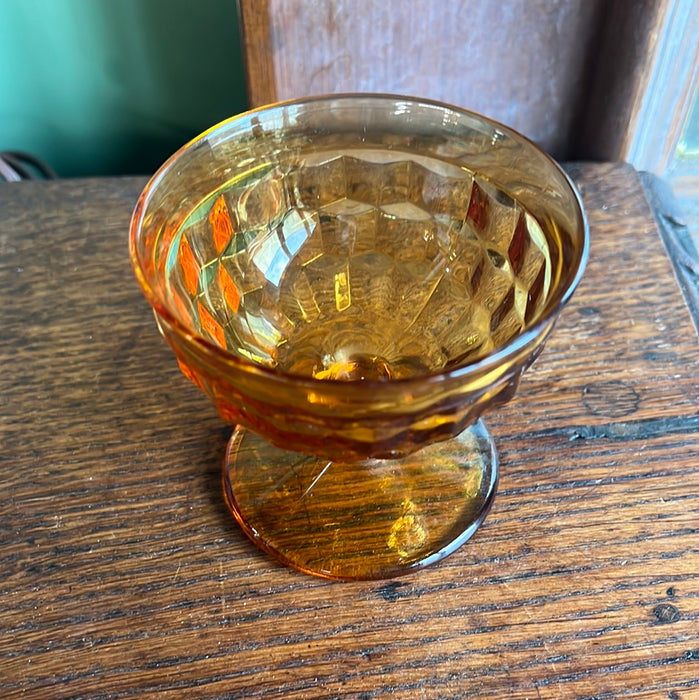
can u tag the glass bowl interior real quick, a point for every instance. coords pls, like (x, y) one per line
(373, 269)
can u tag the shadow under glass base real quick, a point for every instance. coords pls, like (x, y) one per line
(360, 520)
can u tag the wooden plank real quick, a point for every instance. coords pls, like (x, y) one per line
(642, 73)
(257, 52)
(121, 571)
(487, 57)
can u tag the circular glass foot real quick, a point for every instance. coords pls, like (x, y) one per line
(374, 519)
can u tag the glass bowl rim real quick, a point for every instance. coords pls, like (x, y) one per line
(481, 365)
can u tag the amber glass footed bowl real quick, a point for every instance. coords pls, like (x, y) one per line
(353, 280)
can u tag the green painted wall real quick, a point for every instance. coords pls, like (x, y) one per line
(115, 86)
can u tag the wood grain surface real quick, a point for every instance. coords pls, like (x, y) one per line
(122, 573)
(488, 57)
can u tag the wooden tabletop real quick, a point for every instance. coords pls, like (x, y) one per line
(121, 572)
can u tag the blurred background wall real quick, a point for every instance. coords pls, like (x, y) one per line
(110, 87)
(99, 87)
